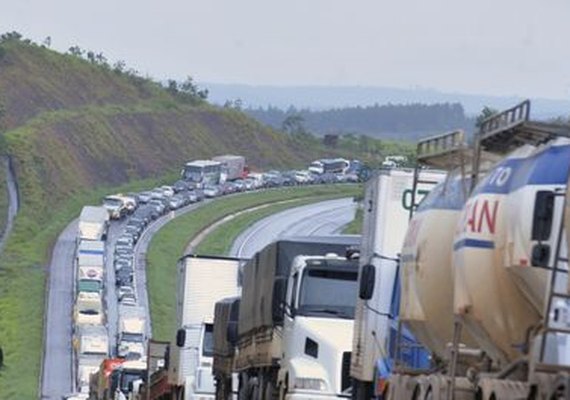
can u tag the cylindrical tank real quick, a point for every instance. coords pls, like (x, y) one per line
(498, 294)
(426, 270)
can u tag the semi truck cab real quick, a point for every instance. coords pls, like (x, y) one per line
(318, 318)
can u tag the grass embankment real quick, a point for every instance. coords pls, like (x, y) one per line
(355, 226)
(22, 289)
(3, 198)
(169, 243)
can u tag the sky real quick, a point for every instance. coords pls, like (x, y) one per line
(503, 48)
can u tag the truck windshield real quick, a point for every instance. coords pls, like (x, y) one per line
(132, 337)
(208, 341)
(128, 377)
(112, 202)
(328, 293)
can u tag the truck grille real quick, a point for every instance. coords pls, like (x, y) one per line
(345, 381)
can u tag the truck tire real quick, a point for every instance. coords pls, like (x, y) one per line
(361, 390)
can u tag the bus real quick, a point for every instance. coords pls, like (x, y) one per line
(335, 166)
(203, 172)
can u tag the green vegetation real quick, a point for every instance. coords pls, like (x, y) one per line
(22, 289)
(355, 226)
(3, 198)
(169, 243)
(219, 241)
(381, 121)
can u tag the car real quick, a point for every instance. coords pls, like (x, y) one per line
(180, 186)
(124, 250)
(158, 205)
(250, 184)
(157, 194)
(240, 185)
(144, 197)
(167, 190)
(123, 278)
(126, 291)
(128, 301)
(176, 202)
(211, 191)
(123, 263)
(124, 240)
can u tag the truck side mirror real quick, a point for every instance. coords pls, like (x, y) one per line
(542, 217)
(180, 337)
(367, 280)
(279, 293)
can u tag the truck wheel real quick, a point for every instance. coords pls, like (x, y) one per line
(361, 390)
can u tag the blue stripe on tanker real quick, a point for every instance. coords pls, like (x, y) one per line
(549, 167)
(475, 243)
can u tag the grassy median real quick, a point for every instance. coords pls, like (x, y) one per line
(169, 243)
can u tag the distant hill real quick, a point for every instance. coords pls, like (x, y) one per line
(328, 97)
(408, 121)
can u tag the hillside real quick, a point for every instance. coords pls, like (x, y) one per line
(72, 125)
(75, 130)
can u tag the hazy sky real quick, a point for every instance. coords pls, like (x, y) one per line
(498, 47)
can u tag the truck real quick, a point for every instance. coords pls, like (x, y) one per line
(131, 340)
(117, 206)
(91, 247)
(390, 197)
(294, 328)
(88, 309)
(118, 379)
(485, 266)
(233, 167)
(92, 348)
(93, 223)
(202, 281)
(226, 317)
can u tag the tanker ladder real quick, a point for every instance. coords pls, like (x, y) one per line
(552, 369)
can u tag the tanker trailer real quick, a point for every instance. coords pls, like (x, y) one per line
(507, 242)
(509, 268)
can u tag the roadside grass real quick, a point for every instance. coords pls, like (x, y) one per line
(168, 244)
(3, 198)
(355, 226)
(23, 267)
(220, 240)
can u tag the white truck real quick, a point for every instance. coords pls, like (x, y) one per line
(92, 347)
(233, 167)
(93, 223)
(90, 262)
(388, 202)
(203, 281)
(88, 309)
(131, 340)
(294, 328)
(116, 206)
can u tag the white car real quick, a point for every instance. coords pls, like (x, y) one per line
(168, 191)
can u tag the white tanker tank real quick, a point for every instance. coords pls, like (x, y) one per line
(427, 273)
(502, 250)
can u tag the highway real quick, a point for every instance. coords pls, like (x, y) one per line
(58, 364)
(324, 218)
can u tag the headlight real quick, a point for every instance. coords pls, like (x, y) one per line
(310, 384)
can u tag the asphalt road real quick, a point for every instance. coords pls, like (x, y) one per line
(57, 366)
(319, 219)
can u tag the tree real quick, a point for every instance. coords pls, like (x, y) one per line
(75, 51)
(486, 112)
(292, 124)
(47, 42)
